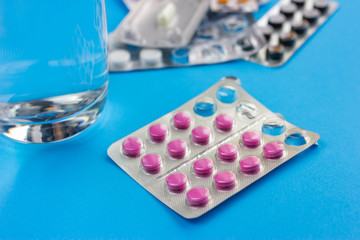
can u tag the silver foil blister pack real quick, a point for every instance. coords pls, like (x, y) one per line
(162, 23)
(130, 4)
(219, 38)
(287, 26)
(234, 5)
(210, 148)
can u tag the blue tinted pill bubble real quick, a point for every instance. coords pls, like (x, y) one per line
(227, 94)
(180, 55)
(206, 32)
(213, 53)
(273, 127)
(234, 24)
(295, 139)
(205, 107)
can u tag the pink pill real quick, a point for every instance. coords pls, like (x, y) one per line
(177, 149)
(250, 165)
(158, 132)
(251, 139)
(176, 182)
(182, 120)
(274, 150)
(132, 147)
(224, 122)
(201, 135)
(225, 180)
(227, 152)
(151, 163)
(198, 197)
(203, 167)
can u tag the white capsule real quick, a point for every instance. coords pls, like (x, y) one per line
(119, 58)
(151, 56)
(166, 15)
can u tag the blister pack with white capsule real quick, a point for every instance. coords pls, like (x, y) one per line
(234, 5)
(287, 26)
(220, 38)
(162, 23)
(130, 4)
(210, 148)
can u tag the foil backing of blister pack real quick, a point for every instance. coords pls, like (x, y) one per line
(248, 114)
(162, 23)
(283, 42)
(234, 5)
(220, 38)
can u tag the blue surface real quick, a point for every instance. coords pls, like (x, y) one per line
(73, 190)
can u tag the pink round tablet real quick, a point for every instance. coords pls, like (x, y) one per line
(177, 149)
(203, 167)
(227, 152)
(224, 122)
(250, 165)
(225, 180)
(182, 120)
(151, 163)
(176, 182)
(251, 139)
(201, 135)
(158, 132)
(132, 147)
(274, 150)
(198, 197)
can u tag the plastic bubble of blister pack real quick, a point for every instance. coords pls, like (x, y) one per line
(234, 5)
(162, 23)
(287, 26)
(219, 38)
(209, 149)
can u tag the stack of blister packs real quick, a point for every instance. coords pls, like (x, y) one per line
(176, 33)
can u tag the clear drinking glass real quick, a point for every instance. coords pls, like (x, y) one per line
(53, 70)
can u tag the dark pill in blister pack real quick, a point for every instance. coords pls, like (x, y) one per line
(266, 31)
(288, 10)
(311, 15)
(299, 3)
(277, 21)
(246, 44)
(300, 27)
(275, 52)
(288, 39)
(322, 6)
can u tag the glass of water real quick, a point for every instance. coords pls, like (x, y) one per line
(53, 70)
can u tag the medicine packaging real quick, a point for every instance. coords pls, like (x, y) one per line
(202, 153)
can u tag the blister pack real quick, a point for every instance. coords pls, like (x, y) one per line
(287, 26)
(234, 5)
(162, 23)
(130, 4)
(220, 38)
(210, 148)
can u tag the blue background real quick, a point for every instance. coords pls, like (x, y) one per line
(73, 190)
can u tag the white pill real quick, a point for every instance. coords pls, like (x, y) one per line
(150, 56)
(166, 15)
(119, 58)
